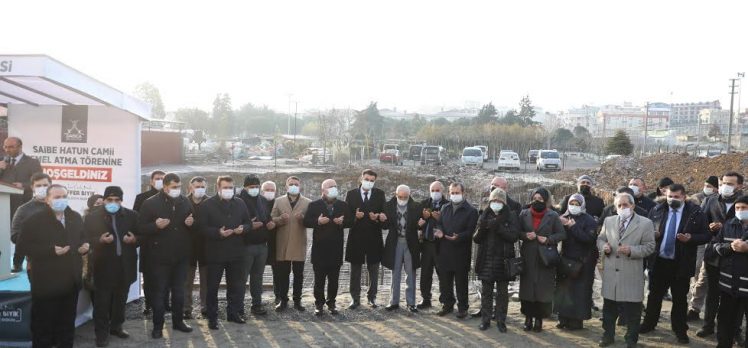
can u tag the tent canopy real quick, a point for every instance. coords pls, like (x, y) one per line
(42, 80)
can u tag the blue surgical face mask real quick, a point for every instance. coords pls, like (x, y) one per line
(59, 205)
(293, 190)
(253, 191)
(112, 207)
(332, 193)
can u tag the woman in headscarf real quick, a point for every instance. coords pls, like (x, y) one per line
(497, 232)
(574, 292)
(540, 226)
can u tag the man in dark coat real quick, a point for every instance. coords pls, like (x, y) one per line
(402, 248)
(39, 184)
(365, 236)
(641, 200)
(156, 185)
(455, 231)
(111, 231)
(16, 169)
(502, 183)
(225, 222)
(197, 196)
(681, 228)
(328, 217)
(431, 212)
(165, 220)
(54, 239)
(611, 210)
(662, 186)
(595, 204)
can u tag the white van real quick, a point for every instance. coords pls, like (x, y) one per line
(472, 156)
(548, 160)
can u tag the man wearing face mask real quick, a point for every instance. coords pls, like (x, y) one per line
(502, 183)
(364, 245)
(111, 231)
(595, 204)
(39, 184)
(267, 190)
(681, 228)
(711, 188)
(638, 187)
(402, 248)
(156, 185)
(699, 286)
(718, 209)
(430, 214)
(225, 222)
(612, 211)
(54, 240)
(197, 197)
(328, 217)
(165, 221)
(290, 236)
(256, 253)
(454, 231)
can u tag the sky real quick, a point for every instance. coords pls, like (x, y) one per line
(417, 56)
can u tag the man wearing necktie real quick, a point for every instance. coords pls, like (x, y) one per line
(681, 228)
(111, 232)
(430, 217)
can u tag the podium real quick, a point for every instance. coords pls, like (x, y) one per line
(6, 256)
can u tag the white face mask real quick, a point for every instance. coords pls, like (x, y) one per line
(40, 192)
(575, 209)
(635, 189)
(402, 202)
(254, 192)
(227, 193)
(332, 193)
(496, 206)
(367, 185)
(742, 215)
(456, 198)
(708, 191)
(269, 195)
(158, 185)
(624, 213)
(199, 192)
(436, 196)
(174, 193)
(726, 190)
(293, 190)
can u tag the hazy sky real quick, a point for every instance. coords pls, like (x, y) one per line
(415, 55)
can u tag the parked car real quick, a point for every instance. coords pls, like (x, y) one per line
(391, 156)
(508, 160)
(433, 155)
(532, 156)
(386, 147)
(472, 156)
(548, 160)
(316, 155)
(414, 152)
(483, 149)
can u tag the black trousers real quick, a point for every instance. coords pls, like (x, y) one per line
(109, 309)
(373, 270)
(731, 311)
(165, 278)
(18, 259)
(281, 274)
(53, 320)
(235, 287)
(428, 265)
(713, 293)
(448, 281)
(611, 311)
(331, 274)
(487, 303)
(665, 277)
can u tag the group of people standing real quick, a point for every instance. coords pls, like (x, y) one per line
(555, 251)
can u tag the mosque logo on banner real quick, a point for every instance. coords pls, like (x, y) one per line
(74, 124)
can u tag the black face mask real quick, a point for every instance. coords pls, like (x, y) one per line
(538, 206)
(585, 190)
(675, 203)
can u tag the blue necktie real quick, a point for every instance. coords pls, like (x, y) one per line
(670, 235)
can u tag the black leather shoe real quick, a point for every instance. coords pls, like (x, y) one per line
(281, 306)
(538, 325)
(692, 315)
(412, 309)
(319, 310)
(120, 333)
(528, 324)
(235, 319)
(213, 324)
(646, 329)
(297, 306)
(156, 334)
(561, 325)
(462, 313)
(606, 342)
(258, 310)
(484, 326)
(354, 305)
(181, 327)
(187, 315)
(102, 342)
(705, 332)
(372, 304)
(333, 310)
(444, 311)
(424, 305)
(502, 326)
(147, 311)
(683, 339)
(392, 307)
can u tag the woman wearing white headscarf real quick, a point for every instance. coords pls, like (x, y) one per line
(573, 299)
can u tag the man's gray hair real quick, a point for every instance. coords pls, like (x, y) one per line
(458, 184)
(403, 188)
(622, 195)
(269, 183)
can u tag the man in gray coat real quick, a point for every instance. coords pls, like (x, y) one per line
(625, 241)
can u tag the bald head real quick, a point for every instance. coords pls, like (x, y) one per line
(12, 146)
(500, 182)
(436, 186)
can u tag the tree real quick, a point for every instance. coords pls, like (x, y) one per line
(223, 116)
(582, 138)
(510, 118)
(198, 137)
(526, 111)
(487, 114)
(151, 95)
(714, 131)
(368, 124)
(619, 144)
(562, 138)
(193, 118)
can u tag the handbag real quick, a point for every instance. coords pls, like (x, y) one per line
(514, 266)
(570, 268)
(549, 255)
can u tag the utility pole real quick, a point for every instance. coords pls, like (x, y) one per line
(646, 129)
(729, 125)
(296, 111)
